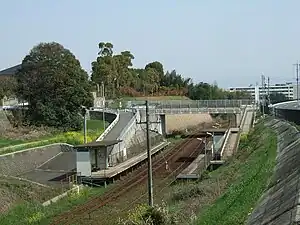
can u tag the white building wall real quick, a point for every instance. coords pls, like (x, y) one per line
(286, 89)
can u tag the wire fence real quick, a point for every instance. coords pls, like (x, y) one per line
(225, 103)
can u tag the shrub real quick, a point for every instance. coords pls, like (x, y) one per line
(188, 191)
(145, 215)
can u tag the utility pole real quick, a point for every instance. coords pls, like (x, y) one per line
(297, 79)
(150, 182)
(269, 90)
(85, 127)
(263, 93)
(103, 96)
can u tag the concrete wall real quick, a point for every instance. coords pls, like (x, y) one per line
(17, 163)
(280, 204)
(178, 122)
(133, 136)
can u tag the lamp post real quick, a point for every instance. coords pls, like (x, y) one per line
(213, 144)
(103, 97)
(84, 110)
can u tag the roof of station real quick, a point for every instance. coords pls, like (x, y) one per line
(96, 144)
(291, 105)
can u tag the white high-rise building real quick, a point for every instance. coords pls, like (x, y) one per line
(288, 89)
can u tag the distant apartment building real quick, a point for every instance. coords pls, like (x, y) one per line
(288, 89)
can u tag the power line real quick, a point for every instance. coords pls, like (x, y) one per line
(297, 79)
(263, 93)
(162, 181)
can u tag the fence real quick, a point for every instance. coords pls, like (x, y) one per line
(194, 103)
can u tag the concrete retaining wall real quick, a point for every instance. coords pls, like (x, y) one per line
(281, 204)
(134, 136)
(13, 164)
(178, 122)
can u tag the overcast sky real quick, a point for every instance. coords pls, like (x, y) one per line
(227, 41)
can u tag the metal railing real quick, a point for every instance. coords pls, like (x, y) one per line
(195, 103)
(227, 134)
(234, 110)
(110, 127)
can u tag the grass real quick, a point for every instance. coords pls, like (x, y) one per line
(95, 129)
(7, 142)
(251, 169)
(34, 213)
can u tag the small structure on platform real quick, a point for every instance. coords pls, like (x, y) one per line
(92, 156)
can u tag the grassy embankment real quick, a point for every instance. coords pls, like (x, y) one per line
(227, 195)
(242, 181)
(95, 128)
(34, 213)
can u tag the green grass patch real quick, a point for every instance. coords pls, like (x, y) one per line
(251, 170)
(95, 129)
(7, 142)
(34, 213)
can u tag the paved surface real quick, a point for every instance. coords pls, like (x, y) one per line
(248, 121)
(43, 177)
(199, 162)
(115, 132)
(65, 161)
(230, 145)
(55, 167)
(280, 203)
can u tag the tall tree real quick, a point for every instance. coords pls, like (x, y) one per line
(157, 66)
(56, 87)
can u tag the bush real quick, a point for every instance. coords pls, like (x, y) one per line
(188, 191)
(146, 215)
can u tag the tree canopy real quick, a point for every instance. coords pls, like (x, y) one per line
(56, 87)
(277, 97)
(121, 79)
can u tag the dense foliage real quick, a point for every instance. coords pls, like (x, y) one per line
(7, 86)
(120, 79)
(54, 84)
(277, 97)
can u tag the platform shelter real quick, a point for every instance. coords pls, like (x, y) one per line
(92, 156)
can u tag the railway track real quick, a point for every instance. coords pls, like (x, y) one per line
(187, 146)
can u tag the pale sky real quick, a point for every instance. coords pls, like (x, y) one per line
(227, 41)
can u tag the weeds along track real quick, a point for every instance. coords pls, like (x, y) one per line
(188, 147)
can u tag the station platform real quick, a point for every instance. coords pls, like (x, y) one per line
(121, 168)
(192, 171)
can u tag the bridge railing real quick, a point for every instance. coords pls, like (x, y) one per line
(111, 126)
(224, 103)
(234, 110)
